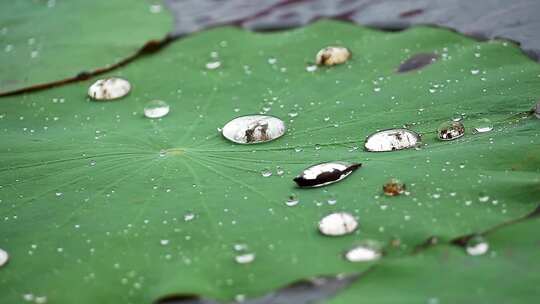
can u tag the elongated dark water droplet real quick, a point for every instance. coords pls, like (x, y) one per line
(109, 88)
(417, 62)
(537, 110)
(392, 140)
(450, 130)
(338, 223)
(325, 174)
(253, 129)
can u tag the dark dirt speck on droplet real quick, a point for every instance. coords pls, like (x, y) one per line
(417, 62)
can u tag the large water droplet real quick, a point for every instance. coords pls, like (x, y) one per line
(4, 257)
(365, 252)
(450, 130)
(477, 245)
(253, 129)
(394, 187)
(482, 125)
(156, 109)
(332, 55)
(417, 61)
(336, 224)
(391, 140)
(109, 88)
(325, 174)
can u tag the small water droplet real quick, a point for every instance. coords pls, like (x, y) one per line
(482, 125)
(253, 129)
(450, 130)
(156, 109)
(109, 88)
(337, 224)
(483, 198)
(213, 65)
(475, 72)
(4, 257)
(92, 163)
(325, 174)
(311, 68)
(272, 60)
(279, 171)
(292, 200)
(245, 258)
(293, 114)
(332, 55)
(367, 251)
(394, 187)
(477, 245)
(164, 242)
(266, 172)
(392, 140)
(189, 216)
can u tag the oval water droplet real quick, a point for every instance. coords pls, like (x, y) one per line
(292, 200)
(337, 224)
(213, 65)
(482, 125)
(156, 109)
(325, 174)
(394, 187)
(450, 130)
(332, 55)
(4, 257)
(253, 129)
(245, 258)
(311, 68)
(477, 245)
(189, 216)
(266, 172)
(109, 88)
(367, 251)
(392, 140)
(417, 61)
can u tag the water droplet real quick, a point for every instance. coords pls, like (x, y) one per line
(483, 198)
(475, 72)
(311, 68)
(394, 187)
(253, 129)
(417, 61)
(245, 258)
(4, 257)
(213, 65)
(477, 245)
(156, 109)
(293, 114)
(109, 88)
(189, 216)
(338, 223)
(272, 60)
(332, 200)
(164, 242)
(279, 171)
(266, 172)
(292, 200)
(332, 55)
(40, 300)
(450, 130)
(482, 125)
(92, 163)
(365, 252)
(325, 174)
(391, 140)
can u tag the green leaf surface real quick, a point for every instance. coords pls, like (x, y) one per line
(89, 189)
(445, 274)
(49, 40)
